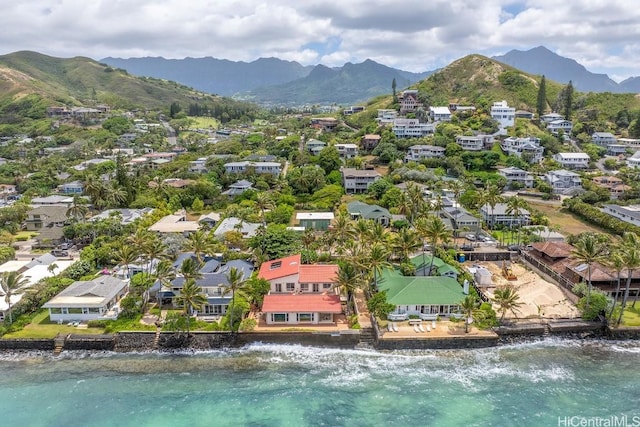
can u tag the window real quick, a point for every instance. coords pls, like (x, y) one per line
(278, 287)
(280, 317)
(93, 310)
(305, 317)
(326, 286)
(75, 310)
(55, 310)
(304, 287)
(291, 287)
(316, 287)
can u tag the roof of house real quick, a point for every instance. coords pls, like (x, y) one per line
(92, 293)
(314, 215)
(422, 290)
(351, 172)
(573, 155)
(175, 223)
(52, 213)
(553, 249)
(248, 229)
(299, 303)
(318, 273)
(501, 209)
(367, 211)
(280, 267)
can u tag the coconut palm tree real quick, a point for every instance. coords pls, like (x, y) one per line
(436, 233)
(199, 242)
(490, 195)
(376, 261)
(78, 209)
(125, 255)
(516, 207)
(377, 233)
(191, 298)
(10, 282)
(405, 242)
(468, 305)
(589, 249)
(616, 262)
(507, 299)
(342, 229)
(236, 287)
(264, 202)
(348, 280)
(51, 268)
(190, 269)
(164, 274)
(630, 252)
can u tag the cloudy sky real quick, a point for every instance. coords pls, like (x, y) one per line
(413, 35)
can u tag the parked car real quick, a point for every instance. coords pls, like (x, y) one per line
(471, 237)
(466, 248)
(513, 247)
(59, 253)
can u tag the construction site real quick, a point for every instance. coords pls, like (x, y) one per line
(540, 298)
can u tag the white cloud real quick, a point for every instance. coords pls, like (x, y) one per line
(414, 35)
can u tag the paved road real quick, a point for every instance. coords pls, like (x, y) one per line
(171, 134)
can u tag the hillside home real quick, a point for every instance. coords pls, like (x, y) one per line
(273, 168)
(347, 151)
(88, 164)
(238, 188)
(503, 114)
(603, 138)
(556, 126)
(500, 215)
(617, 149)
(517, 177)
(198, 166)
(412, 128)
(46, 217)
(175, 223)
(247, 229)
(529, 149)
(358, 180)
(326, 124)
(408, 101)
(7, 190)
(370, 141)
(461, 219)
(572, 160)
(634, 160)
(629, 214)
(630, 142)
(563, 181)
(315, 146)
(359, 210)
(352, 110)
(386, 116)
(523, 114)
(417, 153)
(73, 187)
(314, 220)
(614, 184)
(474, 142)
(125, 216)
(88, 300)
(551, 117)
(440, 114)
(300, 293)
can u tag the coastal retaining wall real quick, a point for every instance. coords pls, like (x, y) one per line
(437, 343)
(90, 342)
(27, 344)
(623, 333)
(134, 341)
(343, 339)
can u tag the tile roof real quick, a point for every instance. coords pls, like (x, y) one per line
(318, 273)
(553, 249)
(281, 267)
(298, 303)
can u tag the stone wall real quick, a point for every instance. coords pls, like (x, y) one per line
(27, 344)
(623, 333)
(134, 341)
(90, 342)
(437, 343)
(344, 339)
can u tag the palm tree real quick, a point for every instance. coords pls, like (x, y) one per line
(436, 233)
(51, 268)
(377, 233)
(616, 262)
(78, 209)
(164, 274)
(516, 207)
(348, 280)
(191, 298)
(199, 243)
(630, 252)
(376, 261)
(507, 299)
(588, 249)
(468, 305)
(237, 285)
(415, 200)
(10, 282)
(264, 202)
(190, 269)
(342, 229)
(490, 196)
(126, 255)
(405, 242)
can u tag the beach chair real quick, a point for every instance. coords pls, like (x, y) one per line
(421, 328)
(389, 327)
(428, 328)
(395, 327)
(433, 324)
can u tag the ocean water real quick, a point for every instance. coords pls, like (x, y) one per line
(546, 383)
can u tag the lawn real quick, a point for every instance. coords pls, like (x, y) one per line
(204, 122)
(631, 317)
(570, 223)
(41, 327)
(25, 235)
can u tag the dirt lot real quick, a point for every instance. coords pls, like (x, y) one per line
(538, 297)
(570, 223)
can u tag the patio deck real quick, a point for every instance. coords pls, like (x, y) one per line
(444, 329)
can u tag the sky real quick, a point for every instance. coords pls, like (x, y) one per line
(411, 35)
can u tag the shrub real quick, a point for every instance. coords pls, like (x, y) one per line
(248, 325)
(78, 269)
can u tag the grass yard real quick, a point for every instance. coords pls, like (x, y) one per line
(569, 223)
(631, 317)
(204, 122)
(41, 327)
(25, 235)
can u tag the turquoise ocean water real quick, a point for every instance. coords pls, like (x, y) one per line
(546, 383)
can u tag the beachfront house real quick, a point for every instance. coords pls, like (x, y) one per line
(88, 300)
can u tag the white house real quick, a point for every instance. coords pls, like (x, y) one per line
(572, 160)
(198, 166)
(634, 160)
(412, 128)
(273, 168)
(516, 175)
(358, 180)
(347, 151)
(563, 181)
(386, 116)
(88, 300)
(440, 114)
(420, 152)
(527, 148)
(503, 114)
(474, 142)
(500, 214)
(550, 117)
(566, 126)
(630, 142)
(629, 214)
(315, 146)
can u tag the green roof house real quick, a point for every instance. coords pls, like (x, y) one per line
(358, 210)
(424, 296)
(440, 268)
